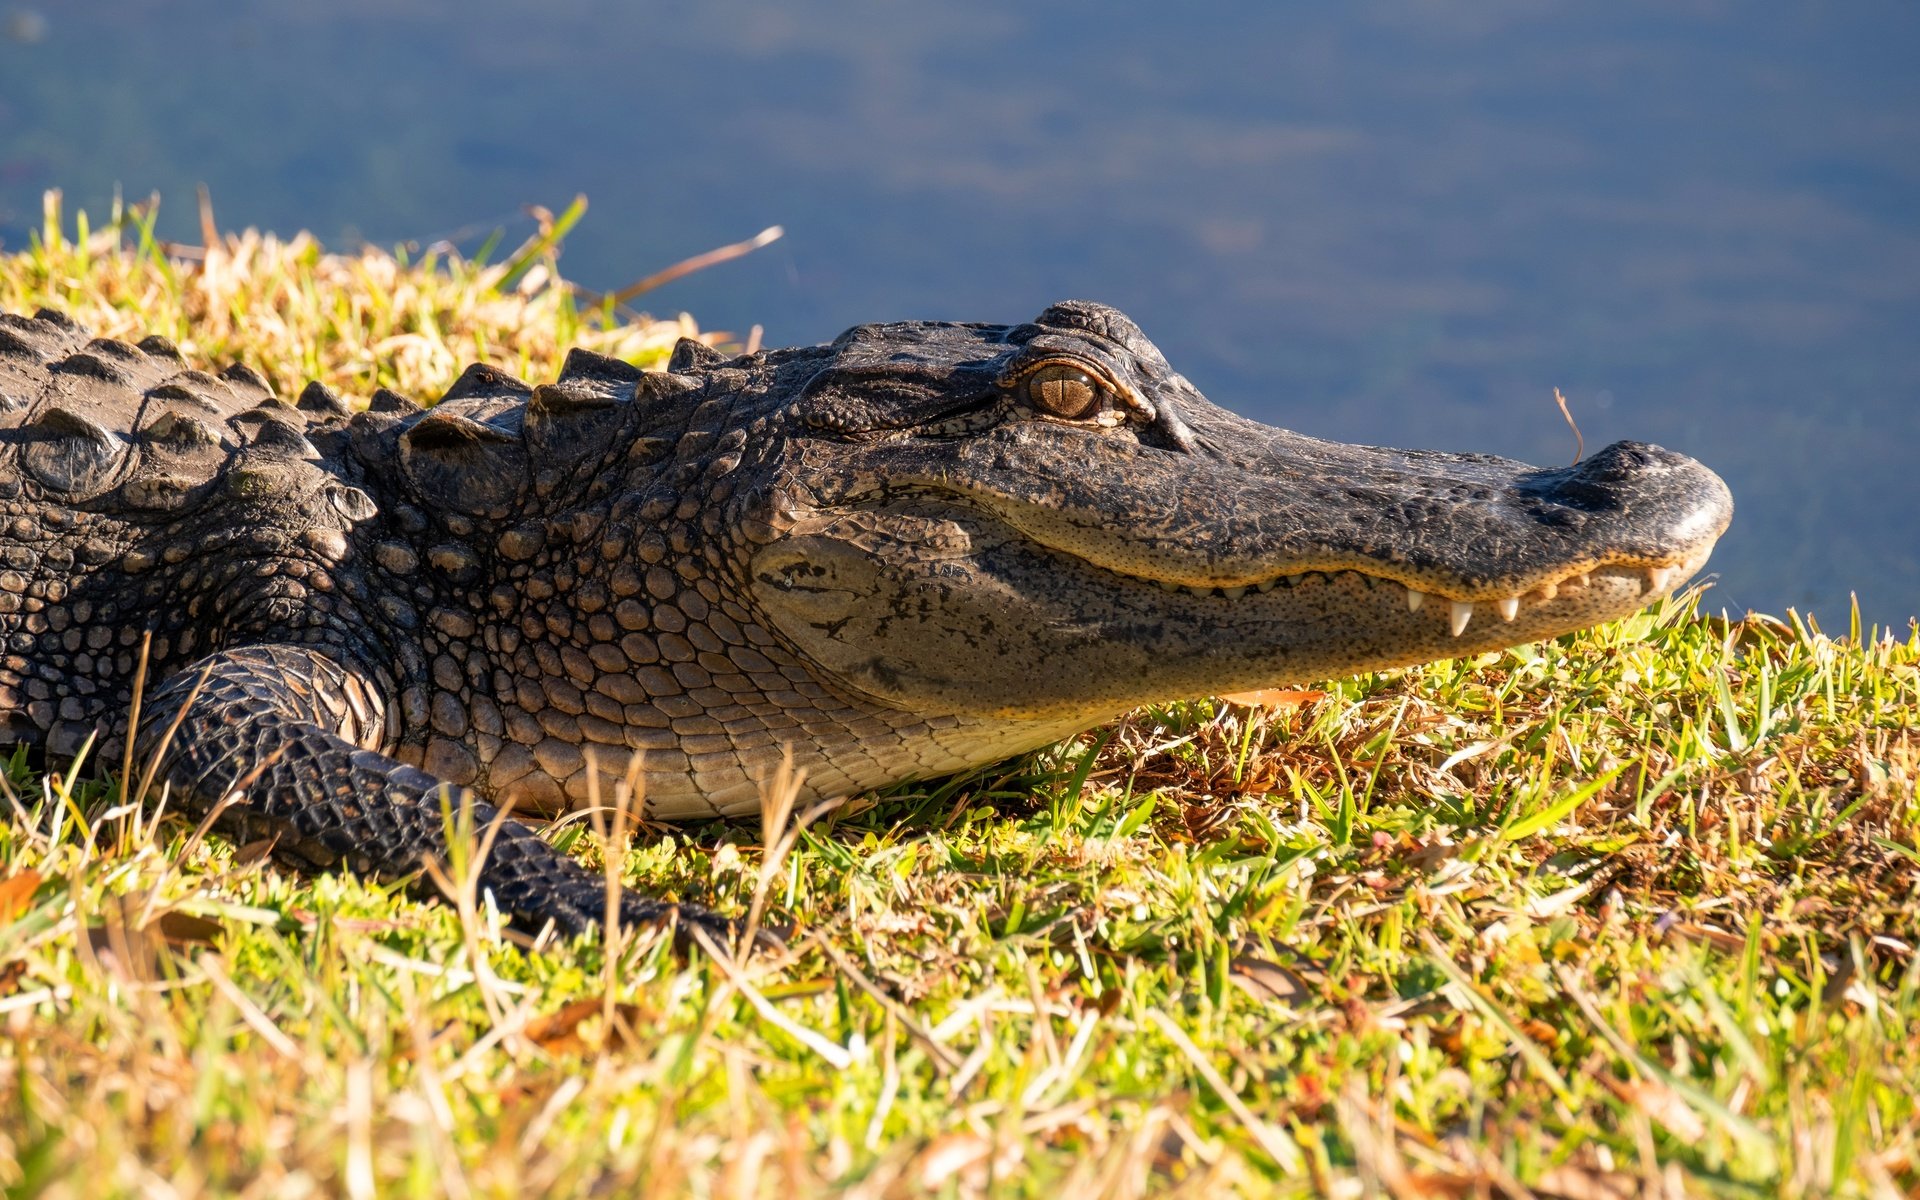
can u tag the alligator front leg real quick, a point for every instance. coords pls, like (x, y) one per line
(273, 726)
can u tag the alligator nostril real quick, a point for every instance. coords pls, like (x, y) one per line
(1625, 460)
(1604, 481)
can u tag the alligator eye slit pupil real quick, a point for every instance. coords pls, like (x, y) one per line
(1063, 390)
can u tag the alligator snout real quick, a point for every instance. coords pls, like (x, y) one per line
(1668, 499)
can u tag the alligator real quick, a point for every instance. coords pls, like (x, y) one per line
(916, 550)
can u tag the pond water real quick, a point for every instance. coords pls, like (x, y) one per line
(1403, 223)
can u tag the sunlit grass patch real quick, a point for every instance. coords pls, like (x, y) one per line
(294, 312)
(1628, 913)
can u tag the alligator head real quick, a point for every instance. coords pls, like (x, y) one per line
(1045, 523)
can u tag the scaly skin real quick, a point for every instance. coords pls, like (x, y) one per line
(913, 551)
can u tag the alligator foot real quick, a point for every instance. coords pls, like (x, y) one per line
(250, 733)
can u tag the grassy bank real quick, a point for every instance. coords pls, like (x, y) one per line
(1630, 913)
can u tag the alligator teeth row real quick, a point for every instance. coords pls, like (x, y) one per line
(1460, 612)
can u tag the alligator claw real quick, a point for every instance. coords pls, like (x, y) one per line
(683, 919)
(584, 908)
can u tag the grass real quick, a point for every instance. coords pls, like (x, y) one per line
(1630, 913)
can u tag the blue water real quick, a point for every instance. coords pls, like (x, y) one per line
(1389, 222)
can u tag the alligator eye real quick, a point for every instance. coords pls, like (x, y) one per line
(1063, 390)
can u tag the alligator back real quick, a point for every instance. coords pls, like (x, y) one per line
(459, 575)
(139, 499)
(227, 557)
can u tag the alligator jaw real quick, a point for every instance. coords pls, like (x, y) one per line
(1576, 591)
(1426, 625)
(1458, 600)
(963, 613)
(976, 634)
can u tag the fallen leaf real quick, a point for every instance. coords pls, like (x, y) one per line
(1273, 699)
(255, 851)
(1540, 1031)
(559, 1031)
(1269, 981)
(16, 893)
(182, 929)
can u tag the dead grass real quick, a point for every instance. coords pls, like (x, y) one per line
(1632, 913)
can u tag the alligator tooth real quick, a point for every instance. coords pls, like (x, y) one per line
(1657, 578)
(1462, 613)
(1233, 593)
(1415, 600)
(1267, 585)
(1508, 608)
(1582, 579)
(1549, 590)
(1201, 591)
(1168, 585)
